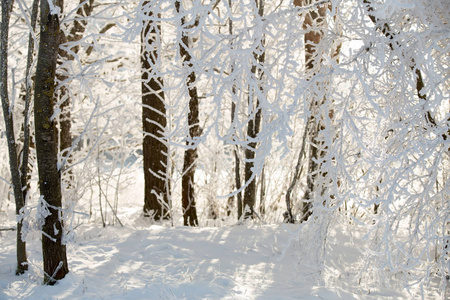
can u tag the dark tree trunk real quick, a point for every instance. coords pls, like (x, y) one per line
(288, 215)
(79, 24)
(25, 168)
(250, 190)
(262, 195)
(156, 201)
(187, 185)
(313, 167)
(65, 136)
(22, 265)
(237, 163)
(65, 124)
(53, 249)
(190, 155)
(253, 130)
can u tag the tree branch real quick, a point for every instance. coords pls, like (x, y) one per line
(386, 30)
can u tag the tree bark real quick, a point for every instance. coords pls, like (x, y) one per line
(25, 168)
(253, 130)
(237, 163)
(262, 194)
(288, 216)
(53, 248)
(154, 120)
(190, 155)
(22, 264)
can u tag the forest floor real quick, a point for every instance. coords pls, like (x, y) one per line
(148, 261)
(157, 262)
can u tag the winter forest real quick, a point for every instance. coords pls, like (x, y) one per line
(225, 149)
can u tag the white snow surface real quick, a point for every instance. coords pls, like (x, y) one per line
(161, 262)
(158, 262)
(142, 260)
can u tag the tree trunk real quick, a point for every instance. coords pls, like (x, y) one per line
(288, 215)
(250, 190)
(154, 119)
(53, 248)
(237, 163)
(22, 264)
(252, 131)
(190, 155)
(262, 195)
(25, 168)
(314, 23)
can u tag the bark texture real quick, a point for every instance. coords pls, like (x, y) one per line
(25, 167)
(154, 120)
(53, 248)
(253, 127)
(22, 265)
(237, 162)
(314, 24)
(190, 155)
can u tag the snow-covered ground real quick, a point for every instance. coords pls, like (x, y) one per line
(251, 261)
(157, 262)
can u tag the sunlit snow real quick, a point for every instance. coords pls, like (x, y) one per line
(151, 261)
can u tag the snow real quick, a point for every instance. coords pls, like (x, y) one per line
(157, 261)
(255, 260)
(327, 258)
